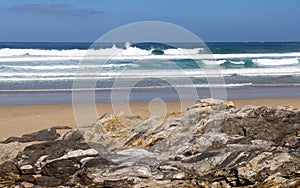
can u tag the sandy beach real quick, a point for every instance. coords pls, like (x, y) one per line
(21, 119)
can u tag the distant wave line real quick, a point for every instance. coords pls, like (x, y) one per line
(153, 87)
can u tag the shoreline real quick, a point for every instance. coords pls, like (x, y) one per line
(147, 94)
(16, 120)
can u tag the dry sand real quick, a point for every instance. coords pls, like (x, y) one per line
(21, 119)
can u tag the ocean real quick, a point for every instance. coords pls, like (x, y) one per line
(43, 73)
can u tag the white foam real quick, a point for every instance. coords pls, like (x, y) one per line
(276, 62)
(274, 71)
(8, 52)
(140, 74)
(192, 51)
(64, 67)
(121, 88)
(33, 58)
(129, 53)
(258, 55)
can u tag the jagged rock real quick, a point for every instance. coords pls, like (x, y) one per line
(11, 150)
(277, 125)
(211, 144)
(42, 135)
(26, 185)
(43, 155)
(74, 135)
(48, 181)
(8, 173)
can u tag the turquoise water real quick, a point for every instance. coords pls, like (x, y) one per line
(37, 73)
(53, 66)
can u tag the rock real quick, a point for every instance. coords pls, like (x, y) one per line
(62, 169)
(48, 181)
(211, 144)
(264, 124)
(26, 169)
(27, 185)
(9, 151)
(157, 52)
(74, 135)
(8, 173)
(42, 135)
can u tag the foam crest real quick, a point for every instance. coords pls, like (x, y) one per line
(276, 62)
(128, 53)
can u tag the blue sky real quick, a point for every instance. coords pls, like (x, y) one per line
(211, 20)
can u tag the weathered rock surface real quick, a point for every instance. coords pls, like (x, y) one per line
(42, 135)
(212, 144)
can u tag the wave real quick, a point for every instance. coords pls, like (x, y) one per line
(238, 64)
(248, 63)
(38, 59)
(271, 71)
(15, 55)
(141, 74)
(142, 65)
(257, 55)
(50, 65)
(276, 62)
(150, 87)
(62, 67)
(8, 52)
(126, 88)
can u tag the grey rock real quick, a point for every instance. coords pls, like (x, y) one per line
(47, 181)
(211, 144)
(74, 135)
(42, 135)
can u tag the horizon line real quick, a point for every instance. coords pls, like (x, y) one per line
(123, 42)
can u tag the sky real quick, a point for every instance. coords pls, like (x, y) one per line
(87, 20)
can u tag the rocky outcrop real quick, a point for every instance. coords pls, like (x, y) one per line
(211, 144)
(42, 135)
